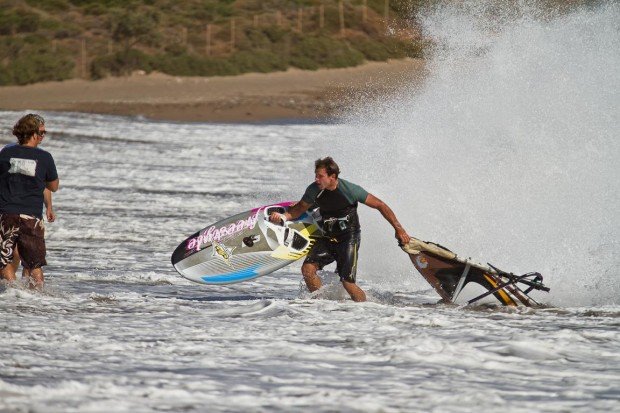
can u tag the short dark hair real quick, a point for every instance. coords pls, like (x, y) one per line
(27, 126)
(330, 166)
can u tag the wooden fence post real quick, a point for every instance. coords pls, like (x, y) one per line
(341, 13)
(387, 12)
(83, 58)
(184, 36)
(365, 11)
(208, 40)
(232, 34)
(279, 18)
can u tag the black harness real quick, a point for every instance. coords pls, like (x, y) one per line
(338, 214)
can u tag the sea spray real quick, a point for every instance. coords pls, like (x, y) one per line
(507, 154)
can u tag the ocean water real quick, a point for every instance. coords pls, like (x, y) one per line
(508, 154)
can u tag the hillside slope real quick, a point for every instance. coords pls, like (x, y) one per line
(42, 40)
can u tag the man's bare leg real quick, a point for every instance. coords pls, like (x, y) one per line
(313, 282)
(8, 272)
(36, 279)
(356, 293)
(26, 276)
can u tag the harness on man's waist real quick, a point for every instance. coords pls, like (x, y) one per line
(336, 225)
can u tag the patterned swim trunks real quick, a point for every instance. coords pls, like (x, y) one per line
(28, 234)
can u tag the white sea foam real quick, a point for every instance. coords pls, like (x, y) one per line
(509, 152)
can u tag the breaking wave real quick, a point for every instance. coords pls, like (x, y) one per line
(508, 152)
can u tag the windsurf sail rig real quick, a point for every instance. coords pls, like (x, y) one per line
(448, 274)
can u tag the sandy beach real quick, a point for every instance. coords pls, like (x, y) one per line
(294, 94)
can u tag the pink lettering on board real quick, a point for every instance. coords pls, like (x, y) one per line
(214, 233)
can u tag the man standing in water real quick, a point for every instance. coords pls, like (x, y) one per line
(337, 200)
(25, 172)
(51, 217)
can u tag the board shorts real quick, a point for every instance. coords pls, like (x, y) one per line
(342, 249)
(28, 234)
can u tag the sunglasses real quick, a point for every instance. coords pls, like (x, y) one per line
(41, 132)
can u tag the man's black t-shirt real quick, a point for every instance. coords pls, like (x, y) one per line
(23, 173)
(339, 203)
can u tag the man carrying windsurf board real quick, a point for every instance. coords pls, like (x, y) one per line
(337, 200)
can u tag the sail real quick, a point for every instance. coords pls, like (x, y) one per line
(448, 274)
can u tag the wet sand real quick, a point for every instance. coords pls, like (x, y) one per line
(294, 94)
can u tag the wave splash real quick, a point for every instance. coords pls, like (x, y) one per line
(508, 153)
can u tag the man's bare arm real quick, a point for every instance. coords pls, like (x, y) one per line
(52, 185)
(49, 209)
(374, 202)
(293, 212)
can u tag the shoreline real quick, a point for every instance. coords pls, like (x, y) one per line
(254, 97)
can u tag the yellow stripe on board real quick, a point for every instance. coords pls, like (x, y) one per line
(505, 297)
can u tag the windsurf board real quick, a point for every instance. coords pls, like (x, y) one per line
(245, 246)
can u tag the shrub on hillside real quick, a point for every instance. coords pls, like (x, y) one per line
(50, 5)
(18, 21)
(372, 49)
(30, 59)
(255, 40)
(5, 76)
(399, 49)
(191, 65)
(259, 61)
(274, 33)
(131, 28)
(169, 36)
(324, 52)
(104, 3)
(37, 68)
(120, 63)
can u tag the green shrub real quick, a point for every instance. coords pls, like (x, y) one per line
(191, 65)
(258, 61)
(29, 59)
(416, 48)
(66, 32)
(120, 63)
(399, 49)
(147, 32)
(28, 22)
(372, 49)
(325, 52)
(38, 68)
(176, 49)
(95, 9)
(11, 47)
(303, 62)
(274, 33)
(18, 21)
(5, 76)
(131, 28)
(50, 5)
(35, 41)
(254, 39)
(178, 65)
(401, 8)
(217, 67)
(104, 3)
